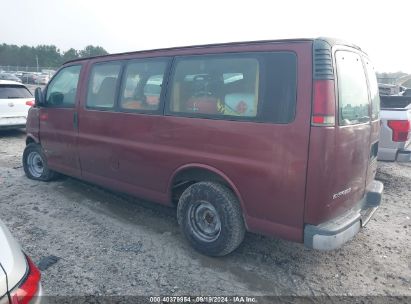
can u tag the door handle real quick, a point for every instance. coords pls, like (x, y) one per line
(75, 121)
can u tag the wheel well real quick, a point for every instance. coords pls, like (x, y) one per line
(29, 140)
(187, 177)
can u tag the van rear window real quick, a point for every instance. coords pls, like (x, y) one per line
(252, 86)
(352, 89)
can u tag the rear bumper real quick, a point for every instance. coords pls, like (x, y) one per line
(337, 231)
(12, 122)
(404, 155)
(400, 153)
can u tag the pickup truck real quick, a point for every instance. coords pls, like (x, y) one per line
(395, 135)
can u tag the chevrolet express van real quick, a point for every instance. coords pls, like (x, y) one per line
(274, 137)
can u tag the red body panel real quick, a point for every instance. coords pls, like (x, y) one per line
(340, 165)
(338, 161)
(283, 174)
(139, 153)
(33, 124)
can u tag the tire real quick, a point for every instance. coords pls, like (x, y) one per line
(210, 217)
(35, 164)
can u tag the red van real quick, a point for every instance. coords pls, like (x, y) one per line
(274, 137)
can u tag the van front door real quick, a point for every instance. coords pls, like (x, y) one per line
(58, 121)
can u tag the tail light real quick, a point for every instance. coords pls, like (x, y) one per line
(400, 129)
(30, 103)
(323, 113)
(29, 288)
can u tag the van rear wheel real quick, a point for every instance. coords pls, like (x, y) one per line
(210, 217)
(35, 164)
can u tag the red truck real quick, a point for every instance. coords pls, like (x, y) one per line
(274, 137)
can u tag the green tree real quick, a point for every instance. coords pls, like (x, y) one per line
(70, 55)
(27, 56)
(90, 51)
(46, 55)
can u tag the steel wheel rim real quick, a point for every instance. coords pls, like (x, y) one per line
(35, 164)
(204, 221)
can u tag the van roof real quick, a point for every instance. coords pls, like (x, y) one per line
(331, 41)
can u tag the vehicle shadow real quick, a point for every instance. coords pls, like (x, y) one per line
(12, 133)
(264, 264)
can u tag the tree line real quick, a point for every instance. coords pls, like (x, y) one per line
(46, 55)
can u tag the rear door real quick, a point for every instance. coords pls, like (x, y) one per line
(340, 154)
(375, 118)
(58, 121)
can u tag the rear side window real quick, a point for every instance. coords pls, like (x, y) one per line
(254, 86)
(10, 91)
(101, 92)
(142, 85)
(352, 89)
(62, 90)
(374, 92)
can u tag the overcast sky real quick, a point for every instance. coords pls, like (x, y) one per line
(382, 29)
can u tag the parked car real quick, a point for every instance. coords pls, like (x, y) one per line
(273, 137)
(395, 142)
(15, 101)
(8, 76)
(19, 276)
(42, 79)
(28, 78)
(406, 92)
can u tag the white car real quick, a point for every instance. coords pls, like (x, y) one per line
(19, 277)
(15, 102)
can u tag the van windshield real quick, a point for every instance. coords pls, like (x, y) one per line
(352, 89)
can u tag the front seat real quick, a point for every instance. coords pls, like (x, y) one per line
(106, 94)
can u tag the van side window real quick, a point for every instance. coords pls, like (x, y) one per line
(101, 93)
(142, 85)
(352, 89)
(216, 86)
(62, 90)
(251, 86)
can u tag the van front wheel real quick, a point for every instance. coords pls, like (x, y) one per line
(210, 217)
(35, 163)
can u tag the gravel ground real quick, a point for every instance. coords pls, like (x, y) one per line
(110, 244)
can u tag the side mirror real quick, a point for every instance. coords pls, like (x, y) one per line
(38, 97)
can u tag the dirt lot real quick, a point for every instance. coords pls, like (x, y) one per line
(114, 245)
